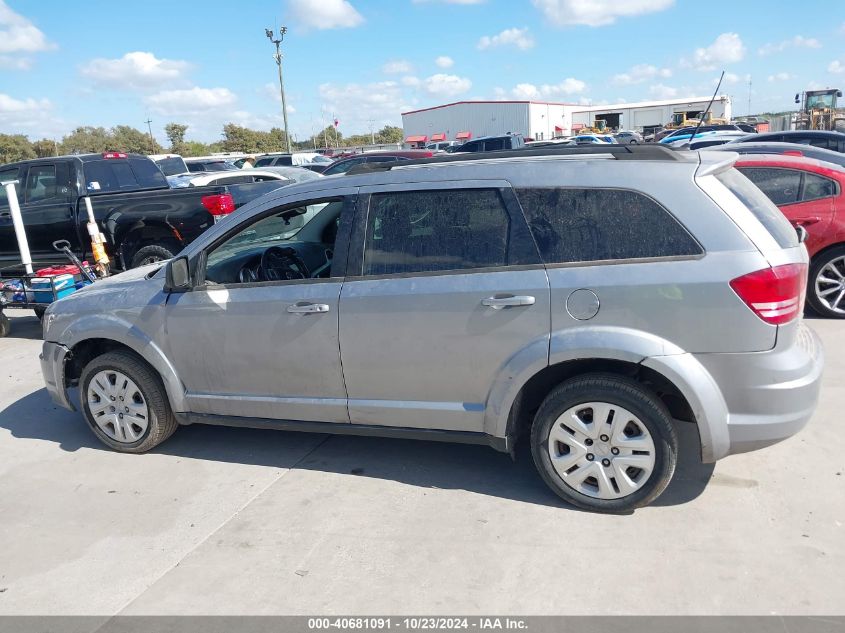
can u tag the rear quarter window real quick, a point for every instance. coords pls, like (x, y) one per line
(761, 206)
(103, 176)
(585, 225)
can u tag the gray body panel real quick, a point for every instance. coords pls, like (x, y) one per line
(420, 351)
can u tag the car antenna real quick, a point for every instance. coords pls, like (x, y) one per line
(709, 105)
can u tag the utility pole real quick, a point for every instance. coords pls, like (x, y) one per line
(372, 134)
(278, 58)
(150, 130)
(749, 96)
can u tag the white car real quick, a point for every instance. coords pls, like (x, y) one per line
(296, 174)
(225, 178)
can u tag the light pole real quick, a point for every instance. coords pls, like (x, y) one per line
(278, 58)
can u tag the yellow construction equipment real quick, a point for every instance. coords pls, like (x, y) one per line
(819, 111)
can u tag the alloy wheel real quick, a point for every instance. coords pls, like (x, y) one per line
(830, 285)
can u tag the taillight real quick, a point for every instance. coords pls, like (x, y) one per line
(114, 155)
(776, 294)
(219, 204)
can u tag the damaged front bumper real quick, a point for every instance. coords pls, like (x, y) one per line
(53, 358)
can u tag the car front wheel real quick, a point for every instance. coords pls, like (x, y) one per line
(603, 442)
(124, 403)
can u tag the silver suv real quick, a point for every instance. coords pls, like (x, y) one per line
(587, 302)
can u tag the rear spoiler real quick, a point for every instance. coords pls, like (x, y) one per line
(711, 163)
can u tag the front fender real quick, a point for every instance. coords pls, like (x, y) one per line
(115, 328)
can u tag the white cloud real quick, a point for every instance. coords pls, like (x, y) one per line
(660, 91)
(596, 12)
(836, 67)
(527, 91)
(270, 90)
(442, 85)
(19, 35)
(779, 77)
(410, 80)
(640, 73)
(191, 100)
(798, 41)
(444, 61)
(18, 38)
(726, 49)
(396, 67)
(324, 14)
(355, 104)
(520, 38)
(33, 117)
(137, 70)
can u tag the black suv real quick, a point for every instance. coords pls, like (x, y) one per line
(493, 143)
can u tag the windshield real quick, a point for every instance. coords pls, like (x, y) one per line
(279, 227)
(820, 101)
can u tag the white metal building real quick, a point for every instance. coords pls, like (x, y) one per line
(543, 120)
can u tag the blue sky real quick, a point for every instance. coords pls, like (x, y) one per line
(99, 62)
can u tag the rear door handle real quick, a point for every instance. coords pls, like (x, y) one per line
(308, 308)
(499, 302)
(805, 221)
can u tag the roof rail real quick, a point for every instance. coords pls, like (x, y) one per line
(619, 152)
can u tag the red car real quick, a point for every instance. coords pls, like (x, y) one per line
(345, 164)
(810, 193)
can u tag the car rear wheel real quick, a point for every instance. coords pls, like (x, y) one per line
(604, 442)
(124, 403)
(826, 286)
(152, 254)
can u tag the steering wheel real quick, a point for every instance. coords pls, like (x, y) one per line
(281, 264)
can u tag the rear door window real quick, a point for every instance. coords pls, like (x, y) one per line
(584, 225)
(41, 183)
(817, 187)
(494, 144)
(781, 186)
(264, 162)
(760, 205)
(439, 230)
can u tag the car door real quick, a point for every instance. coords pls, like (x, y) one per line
(8, 240)
(444, 288)
(266, 346)
(47, 209)
(805, 199)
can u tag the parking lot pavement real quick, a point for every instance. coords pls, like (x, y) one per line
(244, 521)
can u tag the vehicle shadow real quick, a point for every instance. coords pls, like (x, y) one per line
(24, 325)
(425, 464)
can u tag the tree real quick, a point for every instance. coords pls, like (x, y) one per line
(15, 147)
(45, 147)
(87, 140)
(390, 134)
(128, 139)
(176, 135)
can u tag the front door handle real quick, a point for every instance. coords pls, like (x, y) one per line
(507, 301)
(308, 308)
(805, 221)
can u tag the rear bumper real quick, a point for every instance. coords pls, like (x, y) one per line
(770, 396)
(53, 358)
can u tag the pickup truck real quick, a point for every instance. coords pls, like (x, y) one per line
(142, 218)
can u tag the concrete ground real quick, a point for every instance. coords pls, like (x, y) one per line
(234, 521)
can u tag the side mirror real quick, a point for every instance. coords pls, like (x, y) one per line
(802, 234)
(177, 275)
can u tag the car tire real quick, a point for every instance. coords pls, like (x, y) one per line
(5, 325)
(633, 142)
(630, 477)
(825, 265)
(151, 254)
(148, 419)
